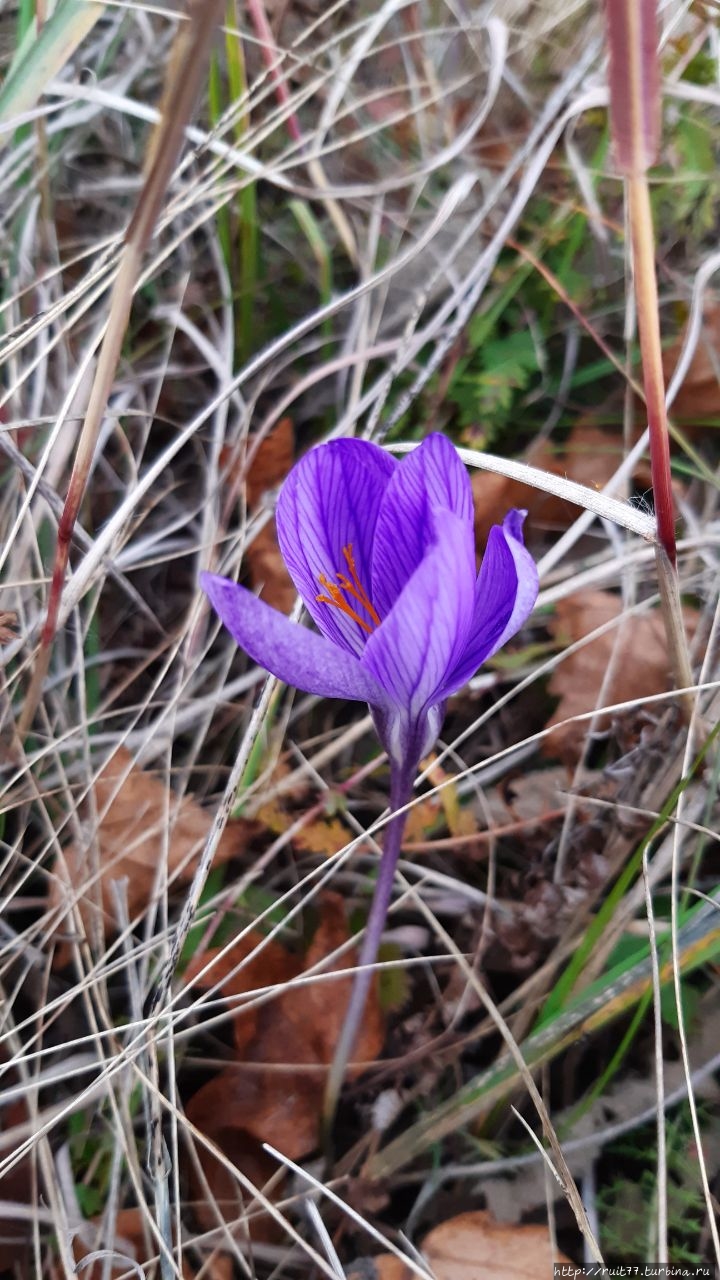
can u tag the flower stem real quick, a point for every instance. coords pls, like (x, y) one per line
(400, 793)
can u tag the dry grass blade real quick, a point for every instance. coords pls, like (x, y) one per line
(599, 504)
(379, 221)
(185, 74)
(476, 1097)
(514, 1052)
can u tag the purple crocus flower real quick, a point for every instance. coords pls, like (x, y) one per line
(383, 555)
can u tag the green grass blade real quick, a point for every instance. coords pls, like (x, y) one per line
(41, 56)
(563, 988)
(614, 994)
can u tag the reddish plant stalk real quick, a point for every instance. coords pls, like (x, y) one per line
(271, 58)
(635, 101)
(634, 84)
(643, 259)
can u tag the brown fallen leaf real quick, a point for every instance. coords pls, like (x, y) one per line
(267, 572)
(640, 666)
(257, 466)
(134, 808)
(320, 834)
(215, 1194)
(267, 466)
(241, 1108)
(318, 1012)
(473, 1245)
(17, 1187)
(269, 461)
(299, 1025)
(238, 972)
(131, 1239)
(698, 398)
(266, 1096)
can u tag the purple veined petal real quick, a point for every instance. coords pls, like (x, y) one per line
(425, 634)
(505, 594)
(330, 501)
(292, 653)
(429, 477)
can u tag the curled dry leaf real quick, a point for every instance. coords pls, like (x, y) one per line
(474, 1245)
(472, 1242)
(139, 822)
(319, 1012)
(636, 648)
(266, 1096)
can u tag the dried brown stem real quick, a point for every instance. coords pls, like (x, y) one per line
(185, 70)
(643, 261)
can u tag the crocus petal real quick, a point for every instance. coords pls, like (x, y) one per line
(329, 501)
(425, 634)
(292, 653)
(431, 476)
(505, 594)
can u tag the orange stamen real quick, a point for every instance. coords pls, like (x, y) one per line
(356, 589)
(352, 587)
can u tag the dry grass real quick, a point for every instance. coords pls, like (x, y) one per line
(422, 143)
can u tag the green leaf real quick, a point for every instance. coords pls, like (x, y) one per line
(689, 999)
(394, 984)
(91, 1200)
(41, 56)
(260, 902)
(694, 141)
(487, 394)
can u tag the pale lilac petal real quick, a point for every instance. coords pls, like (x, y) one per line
(505, 594)
(408, 740)
(292, 653)
(431, 476)
(329, 501)
(425, 634)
